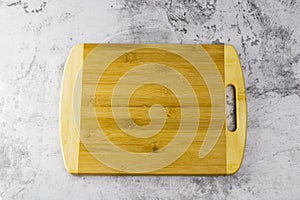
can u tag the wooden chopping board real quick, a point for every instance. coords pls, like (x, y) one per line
(151, 109)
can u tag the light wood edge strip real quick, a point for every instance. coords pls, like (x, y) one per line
(235, 141)
(69, 136)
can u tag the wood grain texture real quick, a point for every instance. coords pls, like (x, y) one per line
(69, 134)
(235, 141)
(113, 94)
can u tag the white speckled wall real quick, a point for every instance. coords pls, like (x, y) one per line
(35, 39)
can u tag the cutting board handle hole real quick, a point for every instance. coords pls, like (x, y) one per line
(231, 108)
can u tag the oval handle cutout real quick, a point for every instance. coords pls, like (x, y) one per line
(231, 108)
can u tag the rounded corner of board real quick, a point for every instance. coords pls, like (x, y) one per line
(75, 55)
(230, 49)
(76, 47)
(70, 150)
(232, 170)
(71, 167)
(235, 148)
(72, 171)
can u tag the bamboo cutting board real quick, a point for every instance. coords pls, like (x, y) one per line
(151, 109)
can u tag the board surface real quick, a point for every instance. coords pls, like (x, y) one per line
(151, 109)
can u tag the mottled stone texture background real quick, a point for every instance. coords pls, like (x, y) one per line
(35, 39)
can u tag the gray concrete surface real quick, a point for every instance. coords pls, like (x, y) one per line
(36, 36)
